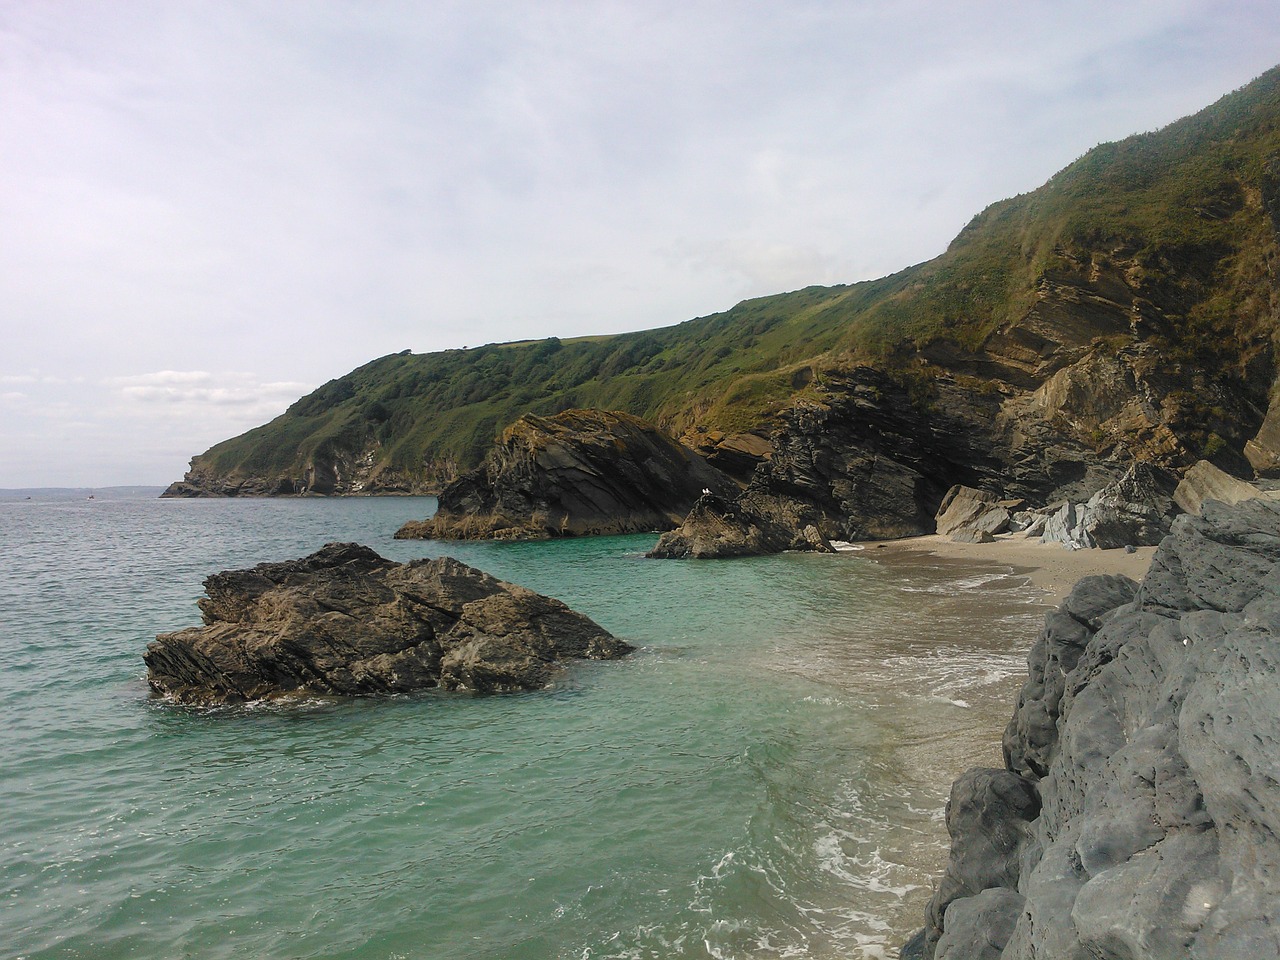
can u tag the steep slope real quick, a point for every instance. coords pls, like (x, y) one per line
(1127, 308)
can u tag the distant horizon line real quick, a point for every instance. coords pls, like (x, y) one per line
(79, 487)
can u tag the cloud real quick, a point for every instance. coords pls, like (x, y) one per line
(297, 189)
(199, 387)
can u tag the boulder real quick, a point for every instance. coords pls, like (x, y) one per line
(580, 472)
(966, 514)
(716, 527)
(1263, 451)
(1203, 481)
(345, 621)
(1135, 510)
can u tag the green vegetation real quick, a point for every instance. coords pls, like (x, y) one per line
(1185, 214)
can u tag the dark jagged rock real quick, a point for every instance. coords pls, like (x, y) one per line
(716, 527)
(579, 472)
(1150, 728)
(987, 817)
(346, 621)
(867, 462)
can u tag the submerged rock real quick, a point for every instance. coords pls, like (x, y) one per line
(1149, 731)
(346, 621)
(579, 472)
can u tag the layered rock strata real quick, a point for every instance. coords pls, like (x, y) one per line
(1138, 814)
(1136, 509)
(345, 621)
(579, 472)
(864, 461)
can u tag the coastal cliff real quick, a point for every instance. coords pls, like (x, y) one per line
(1138, 813)
(1126, 311)
(579, 472)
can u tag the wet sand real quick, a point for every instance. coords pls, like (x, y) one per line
(1048, 566)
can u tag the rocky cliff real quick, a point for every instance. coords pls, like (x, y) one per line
(579, 472)
(1138, 814)
(1125, 311)
(345, 621)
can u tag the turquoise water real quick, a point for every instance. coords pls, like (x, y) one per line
(763, 778)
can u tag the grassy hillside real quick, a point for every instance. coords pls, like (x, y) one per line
(1187, 213)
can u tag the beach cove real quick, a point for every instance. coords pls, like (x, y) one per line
(764, 778)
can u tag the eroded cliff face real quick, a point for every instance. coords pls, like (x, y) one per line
(579, 472)
(1139, 812)
(1053, 406)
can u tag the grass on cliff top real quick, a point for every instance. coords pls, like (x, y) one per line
(1186, 208)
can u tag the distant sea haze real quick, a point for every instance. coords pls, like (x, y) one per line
(763, 778)
(73, 493)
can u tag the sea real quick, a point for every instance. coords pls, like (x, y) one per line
(764, 778)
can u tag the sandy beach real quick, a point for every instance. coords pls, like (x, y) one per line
(1048, 566)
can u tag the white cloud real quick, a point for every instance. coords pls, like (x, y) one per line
(199, 387)
(299, 189)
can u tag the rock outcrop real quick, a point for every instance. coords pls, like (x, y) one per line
(1204, 481)
(967, 515)
(1263, 451)
(1139, 812)
(1134, 510)
(865, 460)
(579, 472)
(346, 621)
(716, 527)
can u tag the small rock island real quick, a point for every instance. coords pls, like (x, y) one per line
(346, 621)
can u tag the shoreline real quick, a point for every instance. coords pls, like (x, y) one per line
(1050, 567)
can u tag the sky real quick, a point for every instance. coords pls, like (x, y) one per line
(208, 209)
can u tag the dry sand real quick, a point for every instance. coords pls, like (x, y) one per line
(1049, 566)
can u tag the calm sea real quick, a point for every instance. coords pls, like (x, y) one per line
(763, 778)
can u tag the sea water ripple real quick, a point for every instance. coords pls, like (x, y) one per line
(764, 778)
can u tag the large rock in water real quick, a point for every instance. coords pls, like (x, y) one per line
(579, 472)
(1149, 729)
(716, 527)
(346, 621)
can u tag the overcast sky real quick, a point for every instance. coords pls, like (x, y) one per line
(207, 209)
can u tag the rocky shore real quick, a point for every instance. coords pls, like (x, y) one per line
(1138, 811)
(345, 621)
